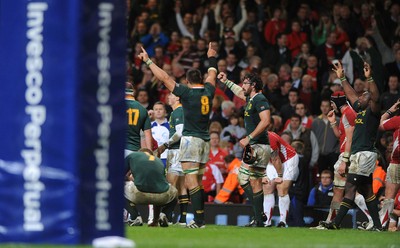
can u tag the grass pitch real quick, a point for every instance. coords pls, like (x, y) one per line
(233, 236)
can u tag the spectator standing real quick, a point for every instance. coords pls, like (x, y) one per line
(296, 76)
(273, 27)
(327, 141)
(186, 55)
(327, 52)
(306, 121)
(310, 97)
(289, 109)
(279, 53)
(390, 97)
(283, 94)
(307, 136)
(228, 22)
(295, 39)
(393, 68)
(302, 57)
(155, 38)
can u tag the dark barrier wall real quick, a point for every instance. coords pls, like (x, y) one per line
(240, 214)
(62, 120)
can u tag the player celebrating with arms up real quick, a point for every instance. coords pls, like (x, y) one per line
(196, 100)
(363, 153)
(257, 118)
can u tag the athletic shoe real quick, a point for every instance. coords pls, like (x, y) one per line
(265, 225)
(282, 224)
(149, 221)
(153, 224)
(255, 223)
(163, 220)
(250, 223)
(366, 225)
(264, 217)
(136, 222)
(183, 224)
(194, 224)
(376, 229)
(329, 225)
(319, 227)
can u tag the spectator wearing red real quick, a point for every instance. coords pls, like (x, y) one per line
(217, 154)
(274, 26)
(312, 70)
(308, 96)
(212, 181)
(295, 39)
(174, 44)
(301, 110)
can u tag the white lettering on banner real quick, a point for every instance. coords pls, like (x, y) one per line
(104, 109)
(32, 154)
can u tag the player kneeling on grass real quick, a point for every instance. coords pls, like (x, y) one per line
(147, 184)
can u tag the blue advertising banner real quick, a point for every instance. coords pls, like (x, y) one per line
(62, 120)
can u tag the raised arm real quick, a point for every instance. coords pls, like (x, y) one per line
(348, 90)
(217, 12)
(157, 71)
(372, 88)
(239, 26)
(236, 89)
(182, 28)
(389, 114)
(204, 24)
(332, 120)
(212, 70)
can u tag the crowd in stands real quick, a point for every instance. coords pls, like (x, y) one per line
(291, 45)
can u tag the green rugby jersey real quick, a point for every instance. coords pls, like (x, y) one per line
(197, 105)
(137, 119)
(148, 172)
(251, 117)
(365, 129)
(176, 118)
